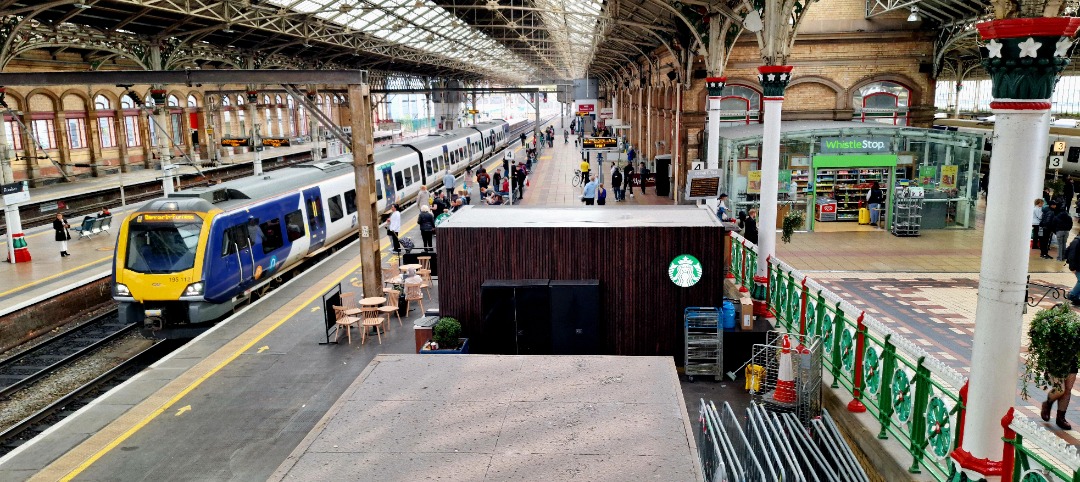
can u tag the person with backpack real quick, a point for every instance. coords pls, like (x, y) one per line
(1046, 229)
(617, 185)
(1062, 226)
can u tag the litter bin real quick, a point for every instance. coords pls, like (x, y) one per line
(422, 330)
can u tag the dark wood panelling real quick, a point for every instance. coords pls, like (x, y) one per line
(641, 308)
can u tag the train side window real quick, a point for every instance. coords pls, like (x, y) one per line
(335, 208)
(428, 163)
(378, 189)
(271, 232)
(236, 237)
(294, 225)
(1074, 154)
(350, 198)
(408, 176)
(439, 163)
(399, 181)
(416, 173)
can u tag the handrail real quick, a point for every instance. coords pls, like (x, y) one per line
(915, 397)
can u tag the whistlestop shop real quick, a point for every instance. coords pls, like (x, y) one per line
(827, 169)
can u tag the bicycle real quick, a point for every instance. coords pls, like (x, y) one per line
(575, 179)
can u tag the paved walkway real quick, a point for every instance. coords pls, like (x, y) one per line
(551, 178)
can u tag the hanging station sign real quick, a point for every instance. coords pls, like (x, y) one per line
(599, 142)
(235, 142)
(276, 141)
(850, 145)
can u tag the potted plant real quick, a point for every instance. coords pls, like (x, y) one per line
(402, 306)
(445, 338)
(1053, 348)
(793, 220)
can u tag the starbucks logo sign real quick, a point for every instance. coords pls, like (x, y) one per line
(684, 270)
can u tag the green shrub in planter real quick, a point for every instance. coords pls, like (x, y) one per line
(1053, 348)
(446, 332)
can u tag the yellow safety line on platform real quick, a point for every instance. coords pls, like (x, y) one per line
(47, 278)
(167, 405)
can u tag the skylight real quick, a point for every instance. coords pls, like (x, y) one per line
(421, 25)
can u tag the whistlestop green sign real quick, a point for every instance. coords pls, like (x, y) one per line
(684, 270)
(873, 145)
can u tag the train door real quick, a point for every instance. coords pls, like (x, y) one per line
(237, 254)
(388, 185)
(316, 219)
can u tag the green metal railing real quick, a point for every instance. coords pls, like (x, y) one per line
(916, 399)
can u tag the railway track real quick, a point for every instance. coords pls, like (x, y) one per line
(31, 365)
(52, 414)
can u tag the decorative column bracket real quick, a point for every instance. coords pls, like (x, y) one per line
(774, 80)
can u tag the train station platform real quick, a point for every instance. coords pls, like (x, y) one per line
(240, 400)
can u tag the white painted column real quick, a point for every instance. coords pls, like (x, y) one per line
(1023, 57)
(712, 148)
(1017, 158)
(774, 79)
(160, 118)
(256, 142)
(770, 178)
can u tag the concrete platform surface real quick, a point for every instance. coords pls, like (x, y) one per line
(490, 417)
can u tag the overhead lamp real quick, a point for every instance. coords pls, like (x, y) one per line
(228, 29)
(81, 5)
(914, 17)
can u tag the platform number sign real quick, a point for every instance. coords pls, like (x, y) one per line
(1059, 146)
(1056, 162)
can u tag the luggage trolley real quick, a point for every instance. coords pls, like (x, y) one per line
(703, 354)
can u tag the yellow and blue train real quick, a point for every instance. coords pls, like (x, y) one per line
(185, 261)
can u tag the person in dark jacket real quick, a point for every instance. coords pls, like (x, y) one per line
(628, 178)
(749, 225)
(617, 185)
(1068, 191)
(60, 225)
(1062, 226)
(644, 174)
(875, 198)
(426, 221)
(1072, 260)
(1046, 229)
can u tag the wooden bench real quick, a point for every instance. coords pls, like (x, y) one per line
(92, 226)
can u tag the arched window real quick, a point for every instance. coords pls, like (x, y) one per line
(883, 101)
(239, 100)
(225, 102)
(277, 99)
(105, 116)
(127, 103)
(173, 101)
(12, 127)
(739, 105)
(192, 101)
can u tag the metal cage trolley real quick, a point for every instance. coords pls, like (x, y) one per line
(704, 348)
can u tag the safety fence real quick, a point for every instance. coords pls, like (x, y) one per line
(916, 399)
(768, 446)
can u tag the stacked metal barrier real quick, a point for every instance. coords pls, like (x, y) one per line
(772, 447)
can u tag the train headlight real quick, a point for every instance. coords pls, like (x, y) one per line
(194, 289)
(122, 290)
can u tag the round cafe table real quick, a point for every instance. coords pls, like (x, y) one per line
(373, 301)
(409, 268)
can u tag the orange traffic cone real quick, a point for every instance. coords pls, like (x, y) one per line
(785, 377)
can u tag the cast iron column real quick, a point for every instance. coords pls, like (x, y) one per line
(774, 79)
(1024, 57)
(715, 85)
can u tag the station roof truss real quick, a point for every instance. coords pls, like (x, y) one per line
(503, 42)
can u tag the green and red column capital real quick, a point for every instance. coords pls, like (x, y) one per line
(715, 85)
(774, 80)
(1025, 57)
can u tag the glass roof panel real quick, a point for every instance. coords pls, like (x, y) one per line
(424, 26)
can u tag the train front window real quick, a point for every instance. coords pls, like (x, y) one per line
(159, 247)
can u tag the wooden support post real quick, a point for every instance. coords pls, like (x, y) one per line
(362, 145)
